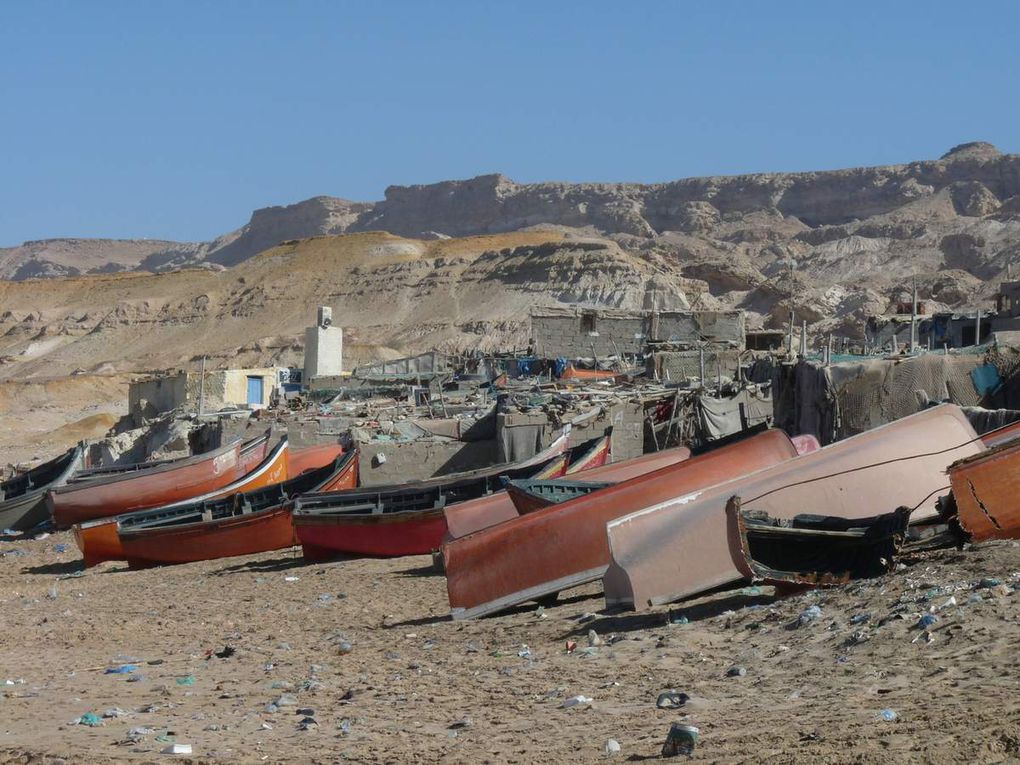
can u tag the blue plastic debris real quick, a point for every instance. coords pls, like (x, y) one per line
(123, 669)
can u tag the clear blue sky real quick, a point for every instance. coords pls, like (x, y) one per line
(176, 119)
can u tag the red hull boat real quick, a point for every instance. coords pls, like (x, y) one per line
(564, 545)
(241, 524)
(123, 492)
(392, 521)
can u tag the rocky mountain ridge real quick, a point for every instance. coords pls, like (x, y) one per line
(469, 259)
(811, 207)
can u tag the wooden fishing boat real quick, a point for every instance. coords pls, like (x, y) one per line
(23, 497)
(1002, 435)
(564, 545)
(239, 524)
(312, 458)
(575, 373)
(251, 454)
(685, 546)
(390, 521)
(529, 495)
(119, 493)
(816, 550)
(985, 490)
(97, 538)
(474, 515)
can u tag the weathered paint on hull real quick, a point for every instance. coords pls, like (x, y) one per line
(240, 535)
(468, 517)
(683, 546)
(27, 510)
(386, 535)
(565, 545)
(99, 541)
(174, 482)
(311, 457)
(985, 489)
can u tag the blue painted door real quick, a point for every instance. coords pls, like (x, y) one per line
(255, 390)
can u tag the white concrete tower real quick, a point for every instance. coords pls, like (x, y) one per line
(324, 347)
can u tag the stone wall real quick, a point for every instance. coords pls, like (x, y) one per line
(158, 394)
(573, 332)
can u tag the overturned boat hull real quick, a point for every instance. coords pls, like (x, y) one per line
(565, 545)
(684, 546)
(986, 490)
(474, 515)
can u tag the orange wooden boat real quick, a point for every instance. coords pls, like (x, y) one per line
(985, 490)
(97, 539)
(573, 373)
(242, 524)
(311, 458)
(123, 492)
(564, 545)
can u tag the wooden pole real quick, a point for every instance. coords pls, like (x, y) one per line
(201, 390)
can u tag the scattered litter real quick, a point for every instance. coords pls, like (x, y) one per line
(115, 712)
(576, 701)
(808, 615)
(671, 699)
(863, 618)
(123, 669)
(927, 621)
(60, 548)
(307, 723)
(680, 740)
(888, 715)
(571, 646)
(612, 746)
(140, 731)
(736, 672)
(525, 652)
(91, 719)
(593, 638)
(177, 749)
(186, 680)
(292, 579)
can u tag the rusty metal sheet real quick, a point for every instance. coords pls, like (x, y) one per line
(474, 515)
(985, 491)
(564, 545)
(683, 546)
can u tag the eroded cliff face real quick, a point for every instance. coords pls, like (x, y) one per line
(392, 295)
(832, 246)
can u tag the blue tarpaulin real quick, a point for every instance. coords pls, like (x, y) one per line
(986, 379)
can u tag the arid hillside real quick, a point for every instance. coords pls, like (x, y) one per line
(392, 295)
(834, 246)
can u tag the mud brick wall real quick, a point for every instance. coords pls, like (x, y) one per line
(564, 336)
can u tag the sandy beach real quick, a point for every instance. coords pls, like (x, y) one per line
(356, 661)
